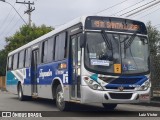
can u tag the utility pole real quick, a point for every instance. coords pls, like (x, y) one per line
(28, 11)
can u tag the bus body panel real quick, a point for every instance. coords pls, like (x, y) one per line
(92, 96)
(48, 73)
(11, 83)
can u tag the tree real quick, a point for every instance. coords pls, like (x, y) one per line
(154, 40)
(24, 35)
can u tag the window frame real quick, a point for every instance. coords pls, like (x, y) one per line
(23, 59)
(15, 66)
(10, 63)
(44, 50)
(58, 55)
(27, 62)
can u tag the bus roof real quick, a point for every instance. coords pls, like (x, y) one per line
(57, 30)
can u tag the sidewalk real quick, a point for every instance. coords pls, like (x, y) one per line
(3, 90)
(155, 102)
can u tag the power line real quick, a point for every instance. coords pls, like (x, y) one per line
(150, 13)
(14, 26)
(127, 7)
(3, 23)
(10, 21)
(111, 6)
(151, 5)
(138, 7)
(156, 25)
(14, 9)
(146, 10)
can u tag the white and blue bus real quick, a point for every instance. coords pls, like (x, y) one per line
(92, 59)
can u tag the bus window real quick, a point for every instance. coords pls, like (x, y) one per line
(50, 49)
(60, 50)
(27, 57)
(44, 51)
(10, 63)
(21, 59)
(15, 61)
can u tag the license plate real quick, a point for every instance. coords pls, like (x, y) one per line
(144, 97)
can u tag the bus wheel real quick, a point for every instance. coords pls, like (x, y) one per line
(20, 93)
(61, 104)
(109, 106)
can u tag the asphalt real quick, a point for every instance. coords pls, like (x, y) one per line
(155, 101)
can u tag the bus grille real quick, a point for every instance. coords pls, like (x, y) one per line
(120, 95)
(125, 81)
(125, 88)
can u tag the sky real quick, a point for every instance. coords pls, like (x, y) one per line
(57, 12)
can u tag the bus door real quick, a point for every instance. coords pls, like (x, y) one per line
(76, 65)
(34, 62)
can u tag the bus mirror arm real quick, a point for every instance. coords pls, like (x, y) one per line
(82, 40)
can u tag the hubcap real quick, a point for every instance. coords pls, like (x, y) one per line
(60, 98)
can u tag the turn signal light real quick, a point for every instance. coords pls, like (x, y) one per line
(63, 66)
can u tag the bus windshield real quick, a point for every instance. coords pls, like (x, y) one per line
(130, 51)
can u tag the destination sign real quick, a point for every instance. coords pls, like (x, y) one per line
(115, 24)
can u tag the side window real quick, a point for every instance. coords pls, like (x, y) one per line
(27, 57)
(44, 51)
(50, 49)
(61, 46)
(9, 63)
(15, 61)
(21, 59)
(56, 48)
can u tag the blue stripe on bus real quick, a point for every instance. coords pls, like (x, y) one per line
(43, 76)
(140, 82)
(11, 79)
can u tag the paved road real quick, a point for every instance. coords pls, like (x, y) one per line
(10, 102)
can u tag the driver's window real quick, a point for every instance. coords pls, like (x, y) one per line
(73, 51)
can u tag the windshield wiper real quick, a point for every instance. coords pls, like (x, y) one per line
(107, 40)
(129, 42)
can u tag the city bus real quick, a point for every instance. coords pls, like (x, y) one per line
(92, 59)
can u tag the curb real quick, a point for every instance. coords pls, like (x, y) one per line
(152, 103)
(3, 91)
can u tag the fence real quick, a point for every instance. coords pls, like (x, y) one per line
(2, 83)
(155, 75)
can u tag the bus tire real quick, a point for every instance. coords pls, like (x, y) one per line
(109, 106)
(60, 103)
(21, 97)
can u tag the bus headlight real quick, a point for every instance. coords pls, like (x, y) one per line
(144, 86)
(92, 84)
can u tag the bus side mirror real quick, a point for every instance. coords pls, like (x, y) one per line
(82, 40)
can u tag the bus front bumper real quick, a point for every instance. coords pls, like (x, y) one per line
(94, 96)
